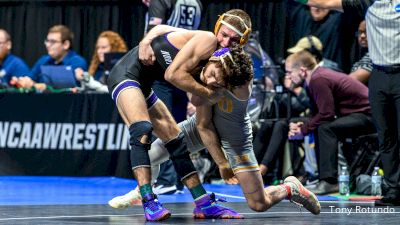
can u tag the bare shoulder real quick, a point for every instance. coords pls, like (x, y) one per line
(243, 92)
(199, 37)
(198, 33)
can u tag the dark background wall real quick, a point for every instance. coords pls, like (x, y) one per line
(28, 22)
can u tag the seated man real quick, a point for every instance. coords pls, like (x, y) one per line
(361, 70)
(59, 48)
(228, 115)
(10, 65)
(342, 111)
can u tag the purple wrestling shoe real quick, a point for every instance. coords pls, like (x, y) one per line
(208, 208)
(153, 209)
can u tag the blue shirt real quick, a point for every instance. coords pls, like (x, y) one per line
(71, 59)
(13, 66)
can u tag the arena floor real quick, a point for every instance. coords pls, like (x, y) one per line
(67, 200)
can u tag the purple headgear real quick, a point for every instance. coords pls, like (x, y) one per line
(220, 55)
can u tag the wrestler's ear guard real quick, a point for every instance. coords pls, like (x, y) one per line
(244, 37)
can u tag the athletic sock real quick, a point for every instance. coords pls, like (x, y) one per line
(287, 189)
(198, 192)
(145, 190)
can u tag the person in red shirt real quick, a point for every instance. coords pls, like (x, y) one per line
(341, 110)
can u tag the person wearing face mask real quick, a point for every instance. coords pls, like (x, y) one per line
(382, 26)
(341, 110)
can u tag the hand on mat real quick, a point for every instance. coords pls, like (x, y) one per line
(146, 53)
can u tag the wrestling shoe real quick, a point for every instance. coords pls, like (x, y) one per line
(208, 208)
(302, 196)
(128, 200)
(153, 209)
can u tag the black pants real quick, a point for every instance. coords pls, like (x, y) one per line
(384, 96)
(329, 134)
(269, 144)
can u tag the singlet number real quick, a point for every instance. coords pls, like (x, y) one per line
(188, 14)
(225, 105)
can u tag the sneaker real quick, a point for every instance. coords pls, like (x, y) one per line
(128, 200)
(208, 208)
(323, 188)
(153, 209)
(301, 196)
(391, 198)
(160, 189)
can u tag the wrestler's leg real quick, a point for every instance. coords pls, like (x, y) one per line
(159, 154)
(261, 199)
(133, 109)
(168, 131)
(258, 198)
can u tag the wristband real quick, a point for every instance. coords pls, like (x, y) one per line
(302, 1)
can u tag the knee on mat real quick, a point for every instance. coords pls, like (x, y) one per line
(258, 206)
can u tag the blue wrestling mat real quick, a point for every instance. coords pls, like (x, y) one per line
(45, 190)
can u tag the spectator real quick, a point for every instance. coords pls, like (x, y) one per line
(59, 52)
(328, 26)
(342, 111)
(10, 65)
(383, 24)
(362, 69)
(94, 79)
(315, 47)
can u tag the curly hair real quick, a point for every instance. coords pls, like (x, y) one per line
(117, 45)
(240, 70)
(237, 74)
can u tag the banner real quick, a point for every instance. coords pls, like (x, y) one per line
(62, 135)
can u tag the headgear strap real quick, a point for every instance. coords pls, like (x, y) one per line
(243, 36)
(220, 55)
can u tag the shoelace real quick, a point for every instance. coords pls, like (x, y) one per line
(215, 200)
(154, 205)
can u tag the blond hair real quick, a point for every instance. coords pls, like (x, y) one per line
(303, 58)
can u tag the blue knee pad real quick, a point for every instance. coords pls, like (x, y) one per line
(140, 142)
(180, 156)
